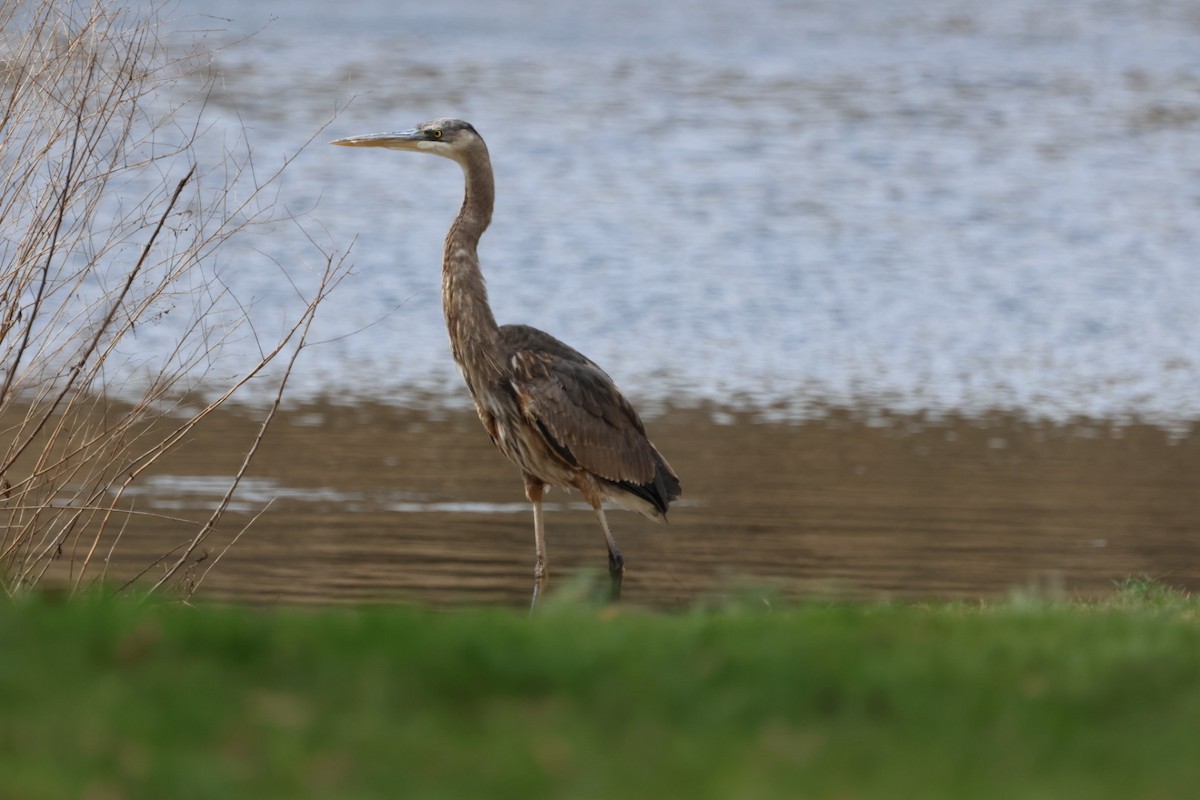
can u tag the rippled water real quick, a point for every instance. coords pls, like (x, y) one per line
(881, 221)
(777, 205)
(368, 503)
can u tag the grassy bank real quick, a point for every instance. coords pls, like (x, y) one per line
(111, 699)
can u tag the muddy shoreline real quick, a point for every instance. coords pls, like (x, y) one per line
(373, 503)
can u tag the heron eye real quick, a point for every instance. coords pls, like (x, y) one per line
(436, 133)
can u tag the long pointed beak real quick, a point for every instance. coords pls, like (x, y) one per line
(397, 140)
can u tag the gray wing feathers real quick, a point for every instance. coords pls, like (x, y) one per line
(575, 404)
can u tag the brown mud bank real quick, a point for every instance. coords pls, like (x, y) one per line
(367, 503)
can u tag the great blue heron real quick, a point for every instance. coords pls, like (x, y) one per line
(548, 408)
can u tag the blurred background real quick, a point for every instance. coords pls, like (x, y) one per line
(908, 293)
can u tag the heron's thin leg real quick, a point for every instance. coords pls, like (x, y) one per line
(616, 562)
(534, 489)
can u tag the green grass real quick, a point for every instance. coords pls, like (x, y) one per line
(1029, 699)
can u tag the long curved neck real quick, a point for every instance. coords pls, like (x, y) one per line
(474, 335)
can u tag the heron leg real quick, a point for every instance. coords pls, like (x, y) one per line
(534, 489)
(616, 562)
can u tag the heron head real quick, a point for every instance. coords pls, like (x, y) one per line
(451, 138)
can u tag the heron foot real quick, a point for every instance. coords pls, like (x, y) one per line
(539, 579)
(616, 571)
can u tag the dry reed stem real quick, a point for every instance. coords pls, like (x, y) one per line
(97, 242)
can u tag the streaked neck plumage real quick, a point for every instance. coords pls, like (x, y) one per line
(474, 335)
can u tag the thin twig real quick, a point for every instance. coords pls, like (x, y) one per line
(77, 368)
(85, 113)
(236, 538)
(303, 325)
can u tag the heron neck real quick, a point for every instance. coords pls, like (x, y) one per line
(474, 335)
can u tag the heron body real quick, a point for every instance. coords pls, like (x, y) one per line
(547, 407)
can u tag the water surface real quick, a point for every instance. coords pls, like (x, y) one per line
(931, 206)
(969, 228)
(371, 503)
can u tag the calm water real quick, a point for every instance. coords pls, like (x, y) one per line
(971, 223)
(930, 206)
(369, 502)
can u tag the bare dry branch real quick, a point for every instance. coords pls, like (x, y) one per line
(97, 246)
